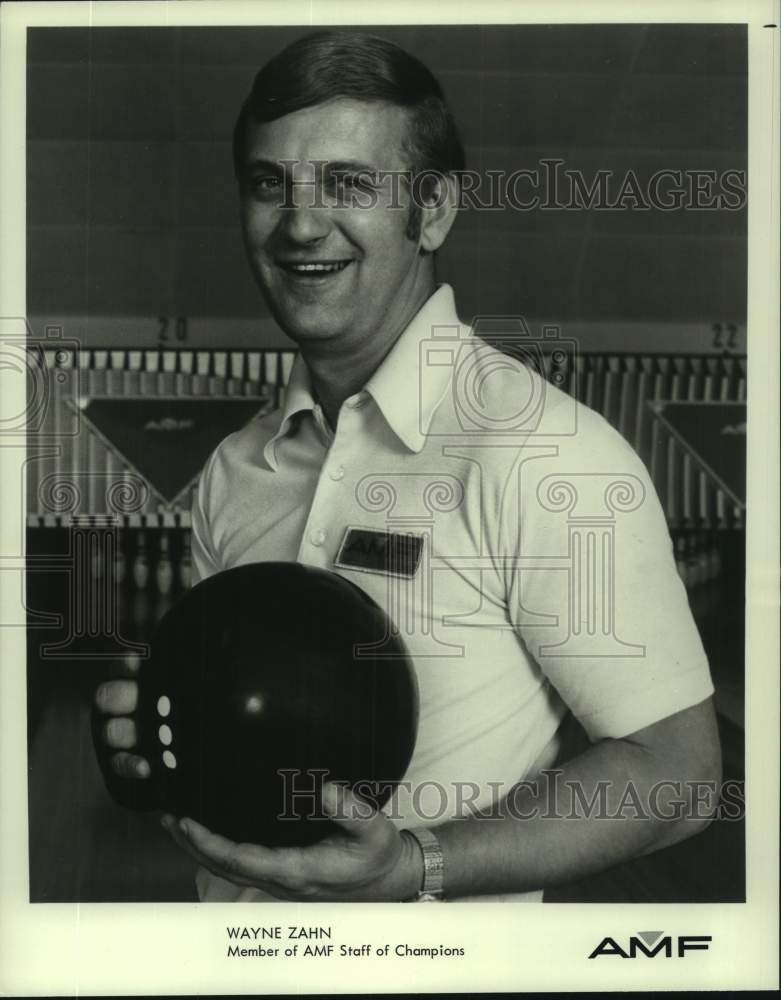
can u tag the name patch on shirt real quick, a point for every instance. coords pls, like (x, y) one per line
(380, 552)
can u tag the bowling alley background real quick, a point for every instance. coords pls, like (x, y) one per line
(148, 343)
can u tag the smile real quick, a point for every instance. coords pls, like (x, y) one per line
(314, 267)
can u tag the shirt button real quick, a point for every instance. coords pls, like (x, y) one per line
(336, 473)
(317, 537)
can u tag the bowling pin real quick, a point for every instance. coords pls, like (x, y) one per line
(141, 563)
(164, 571)
(200, 378)
(131, 376)
(184, 375)
(218, 373)
(252, 384)
(709, 382)
(727, 379)
(166, 376)
(149, 373)
(186, 563)
(99, 373)
(287, 358)
(114, 374)
(236, 369)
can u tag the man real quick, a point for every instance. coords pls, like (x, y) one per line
(543, 579)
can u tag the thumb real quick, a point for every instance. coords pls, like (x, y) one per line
(347, 809)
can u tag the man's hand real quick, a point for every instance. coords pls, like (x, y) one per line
(117, 699)
(367, 860)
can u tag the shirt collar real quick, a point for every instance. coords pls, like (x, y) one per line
(298, 398)
(409, 384)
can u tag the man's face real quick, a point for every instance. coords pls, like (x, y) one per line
(331, 271)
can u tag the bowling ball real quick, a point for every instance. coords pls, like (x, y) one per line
(264, 681)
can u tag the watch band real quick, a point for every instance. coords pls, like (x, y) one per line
(433, 866)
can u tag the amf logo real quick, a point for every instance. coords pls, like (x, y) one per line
(649, 944)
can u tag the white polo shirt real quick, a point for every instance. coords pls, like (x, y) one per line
(545, 577)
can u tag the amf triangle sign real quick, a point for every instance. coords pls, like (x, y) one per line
(167, 439)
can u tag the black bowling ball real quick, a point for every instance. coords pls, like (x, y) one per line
(263, 682)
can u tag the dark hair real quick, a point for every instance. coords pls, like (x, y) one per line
(330, 64)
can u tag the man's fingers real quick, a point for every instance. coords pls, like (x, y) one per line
(130, 765)
(117, 697)
(214, 861)
(120, 733)
(250, 861)
(171, 826)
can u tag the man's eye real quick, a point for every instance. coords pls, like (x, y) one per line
(266, 185)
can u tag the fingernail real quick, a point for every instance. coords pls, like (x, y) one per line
(143, 770)
(184, 827)
(165, 822)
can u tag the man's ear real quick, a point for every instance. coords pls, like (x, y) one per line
(438, 212)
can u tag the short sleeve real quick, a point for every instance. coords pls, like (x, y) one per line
(204, 561)
(593, 589)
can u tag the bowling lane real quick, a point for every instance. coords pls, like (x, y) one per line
(83, 847)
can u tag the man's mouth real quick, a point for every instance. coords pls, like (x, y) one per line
(313, 269)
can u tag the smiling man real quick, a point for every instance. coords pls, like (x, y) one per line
(507, 628)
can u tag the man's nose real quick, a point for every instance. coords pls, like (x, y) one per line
(303, 220)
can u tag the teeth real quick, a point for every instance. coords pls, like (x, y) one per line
(317, 268)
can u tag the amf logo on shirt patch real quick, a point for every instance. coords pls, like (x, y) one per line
(388, 552)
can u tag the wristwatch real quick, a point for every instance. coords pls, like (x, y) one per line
(433, 866)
